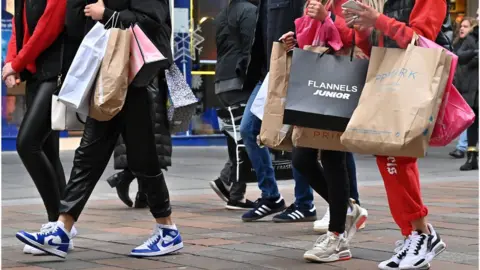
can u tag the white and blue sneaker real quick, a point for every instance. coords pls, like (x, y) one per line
(162, 242)
(54, 240)
(36, 252)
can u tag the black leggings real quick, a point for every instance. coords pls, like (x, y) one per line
(472, 132)
(134, 123)
(38, 146)
(331, 182)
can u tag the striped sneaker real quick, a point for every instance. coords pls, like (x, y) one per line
(263, 208)
(292, 214)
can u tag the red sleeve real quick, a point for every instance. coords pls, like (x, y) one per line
(362, 38)
(48, 28)
(12, 45)
(426, 20)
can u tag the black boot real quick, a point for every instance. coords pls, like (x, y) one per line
(457, 154)
(122, 181)
(141, 199)
(472, 161)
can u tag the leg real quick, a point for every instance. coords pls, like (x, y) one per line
(302, 209)
(305, 163)
(260, 157)
(33, 137)
(336, 176)
(400, 176)
(472, 151)
(463, 142)
(352, 176)
(91, 159)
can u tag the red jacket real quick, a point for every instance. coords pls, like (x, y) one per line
(49, 27)
(424, 20)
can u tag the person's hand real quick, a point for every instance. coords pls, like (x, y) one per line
(7, 71)
(11, 81)
(289, 40)
(95, 11)
(316, 10)
(364, 19)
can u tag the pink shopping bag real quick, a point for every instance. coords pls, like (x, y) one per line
(146, 60)
(455, 115)
(312, 32)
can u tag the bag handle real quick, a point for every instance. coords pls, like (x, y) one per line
(415, 37)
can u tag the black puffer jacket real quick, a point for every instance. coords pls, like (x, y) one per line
(466, 76)
(163, 139)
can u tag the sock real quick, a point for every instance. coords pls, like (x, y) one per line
(171, 227)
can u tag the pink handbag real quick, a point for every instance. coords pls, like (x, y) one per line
(455, 115)
(312, 32)
(146, 61)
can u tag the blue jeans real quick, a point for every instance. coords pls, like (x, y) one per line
(352, 175)
(462, 142)
(260, 157)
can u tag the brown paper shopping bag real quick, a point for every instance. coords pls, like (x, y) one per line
(112, 81)
(274, 133)
(317, 139)
(401, 98)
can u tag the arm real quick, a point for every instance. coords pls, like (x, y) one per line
(466, 53)
(247, 22)
(75, 19)
(12, 45)
(424, 20)
(48, 28)
(150, 14)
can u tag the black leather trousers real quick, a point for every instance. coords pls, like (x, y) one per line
(134, 123)
(38, 146)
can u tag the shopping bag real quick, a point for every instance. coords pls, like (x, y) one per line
(273, 132)
(181, 102)
(111, 85)
(258, 105)
(455, 115)
(145, 60)
(317, 139)
(77, 86)
(401, 98)
(323, 90)
(65, 118)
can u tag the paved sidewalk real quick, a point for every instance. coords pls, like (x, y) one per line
(216, 238)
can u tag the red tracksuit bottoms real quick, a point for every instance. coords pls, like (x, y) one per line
(402, 184)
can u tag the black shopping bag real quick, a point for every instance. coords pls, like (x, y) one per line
(281, 161)
(323, 90)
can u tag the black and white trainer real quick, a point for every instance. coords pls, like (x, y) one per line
(422, 249)
(293, 214)
(400, 252)
(222, 190)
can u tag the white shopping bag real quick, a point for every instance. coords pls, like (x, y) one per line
(258, 105)
(77, 86)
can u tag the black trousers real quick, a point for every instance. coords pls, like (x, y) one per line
(228, 175)
(472, 132)
(331, 182)
(38, 146)
(134, 123)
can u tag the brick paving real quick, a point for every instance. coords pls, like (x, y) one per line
(216, 238)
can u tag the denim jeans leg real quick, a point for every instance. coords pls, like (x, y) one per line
(303, 192)
(260, 157)
(352, 175)
(462, 142)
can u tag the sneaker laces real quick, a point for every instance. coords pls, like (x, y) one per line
(416, 242)
(154, 236)
(402, 247)
(48, 228)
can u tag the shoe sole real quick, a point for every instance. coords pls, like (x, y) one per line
(441, 247)
(36, 245)
(269, 214)
(217, 190)
(390, 268)
(230, 207)
(305, 219)
(342, 256)
(159, 253)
